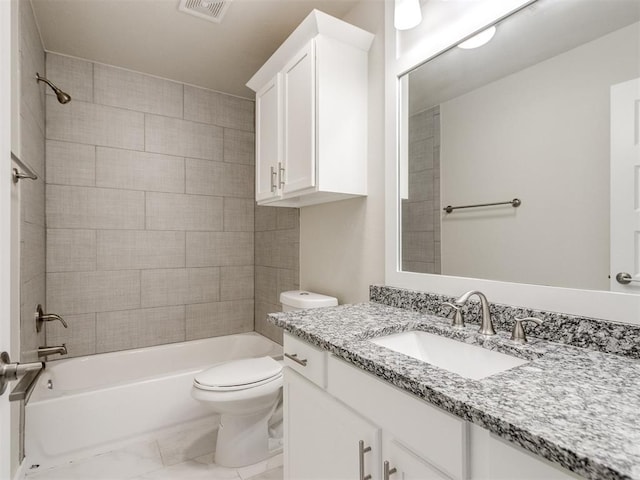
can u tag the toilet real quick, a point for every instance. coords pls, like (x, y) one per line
(246, 393)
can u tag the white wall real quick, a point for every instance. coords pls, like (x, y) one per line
(529, 136)
(342, 243)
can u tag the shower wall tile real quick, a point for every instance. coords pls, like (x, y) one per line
(139, 328)
(95, 124)
(239, 147)
(71, 250)
(31, 150)
(151, 213)
(71, 75)
(32, 201)
(70, 164)
(86, 292)
(238, 181)
(180, 286)
(30, 41)
(89, 208)
(32, 293)
(277, 234)
(167, 211)
(216, 108)
(219, 318)
(80, 337)
(31, 91)
(262, 326)
(123, 88)
(32, 251)
(139, 249)
(127, 169)
(238, 214)
(173, 136)
(237, 283)
(204, 177)
(219, 248)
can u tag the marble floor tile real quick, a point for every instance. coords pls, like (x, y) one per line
(273, 474)
(191, 470)
(121, 464)
(189, 444)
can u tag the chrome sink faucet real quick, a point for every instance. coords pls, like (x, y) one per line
(486, 325)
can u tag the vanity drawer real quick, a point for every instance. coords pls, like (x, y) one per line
(307, 360)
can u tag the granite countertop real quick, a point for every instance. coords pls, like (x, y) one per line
(573, 406)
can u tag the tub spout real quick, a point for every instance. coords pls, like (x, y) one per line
(44, 351)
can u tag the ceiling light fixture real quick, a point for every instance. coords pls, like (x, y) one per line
(407, 14)
(479, 39)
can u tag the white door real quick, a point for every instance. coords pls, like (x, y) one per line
(299, 84)
(625, 185)
(268, 139)
(9, 249)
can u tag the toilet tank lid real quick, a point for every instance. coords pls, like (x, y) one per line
(304, 299)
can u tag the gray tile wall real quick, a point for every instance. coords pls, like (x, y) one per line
(421, 211)
(150, 211)
(32, 152)
(277, 240)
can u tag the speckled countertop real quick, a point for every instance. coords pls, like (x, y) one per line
(576, 407)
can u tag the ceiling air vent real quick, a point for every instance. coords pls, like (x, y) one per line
(212, 10)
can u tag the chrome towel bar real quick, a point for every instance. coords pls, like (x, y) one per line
(516, 202)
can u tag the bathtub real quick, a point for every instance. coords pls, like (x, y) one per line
(101, 402)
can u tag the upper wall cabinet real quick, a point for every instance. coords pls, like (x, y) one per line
(311, 115)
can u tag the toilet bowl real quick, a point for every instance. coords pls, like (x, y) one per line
(245, 393)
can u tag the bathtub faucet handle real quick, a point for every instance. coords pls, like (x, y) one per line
(42, 317)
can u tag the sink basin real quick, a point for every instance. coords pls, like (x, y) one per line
(469, 361)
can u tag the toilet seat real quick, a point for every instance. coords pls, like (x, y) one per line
(237, 375)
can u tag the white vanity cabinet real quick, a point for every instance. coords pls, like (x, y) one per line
(330, 406)
(311, 115)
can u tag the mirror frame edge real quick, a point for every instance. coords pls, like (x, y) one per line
(612, 306)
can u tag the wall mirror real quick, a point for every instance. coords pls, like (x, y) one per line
(546, 112)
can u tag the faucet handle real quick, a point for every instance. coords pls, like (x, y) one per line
(42, 317)
(458, 318)
(517, 334)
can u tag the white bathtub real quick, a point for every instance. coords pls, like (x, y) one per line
(101, 402)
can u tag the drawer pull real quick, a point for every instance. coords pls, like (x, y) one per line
(295, 358)
(387, 471)
(361, 451)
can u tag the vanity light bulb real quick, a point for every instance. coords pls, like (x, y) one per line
(407, 14)
(479, 39)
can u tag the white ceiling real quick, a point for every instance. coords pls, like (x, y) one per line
(154, 37)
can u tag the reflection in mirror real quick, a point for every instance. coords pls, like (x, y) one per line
(546, 112)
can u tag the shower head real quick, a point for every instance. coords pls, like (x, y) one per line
(62, 96)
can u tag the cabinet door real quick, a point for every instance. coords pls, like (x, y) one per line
(406, 465)
(299, 86)
(268, 139)
(322, 435)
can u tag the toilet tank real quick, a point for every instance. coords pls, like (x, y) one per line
(300, 300)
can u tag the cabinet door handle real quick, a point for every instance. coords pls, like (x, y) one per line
(280, 175)
(361, 451)
(388, 471)
(273, 180)
(294, 357)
